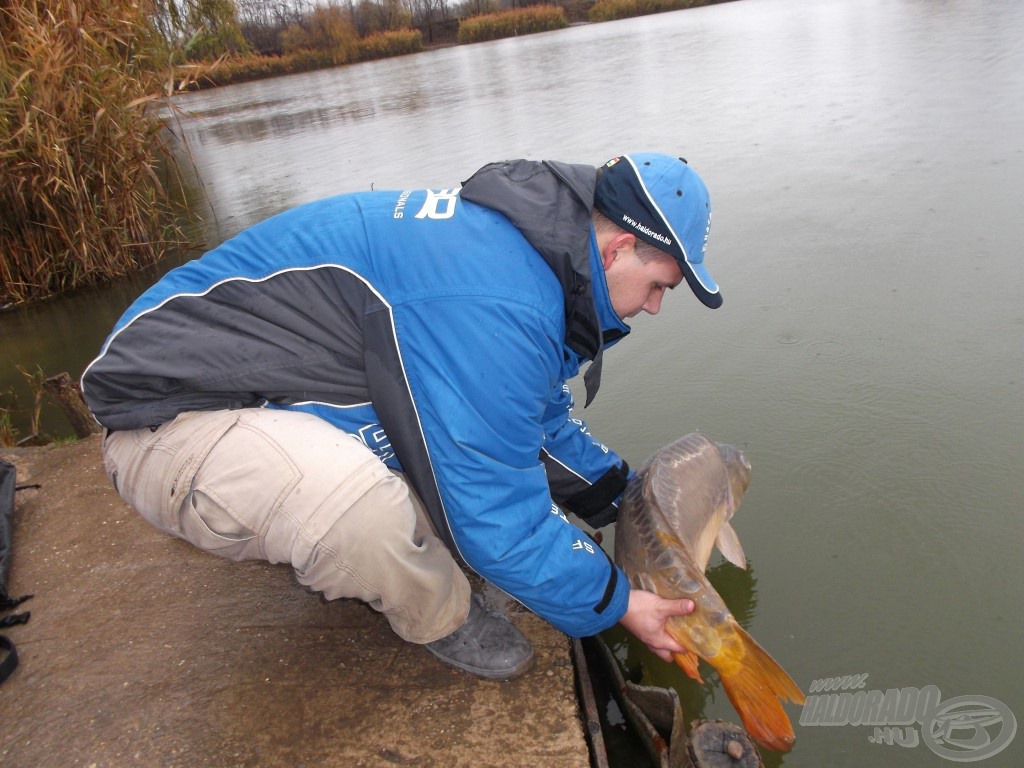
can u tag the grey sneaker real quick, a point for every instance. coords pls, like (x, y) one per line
(487, 645)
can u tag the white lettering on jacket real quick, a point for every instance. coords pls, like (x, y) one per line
(432, 206)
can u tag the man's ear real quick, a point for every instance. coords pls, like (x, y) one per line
(623, 241)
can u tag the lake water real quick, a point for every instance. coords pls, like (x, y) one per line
(865, 160)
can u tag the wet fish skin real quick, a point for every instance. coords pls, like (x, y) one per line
(675, 510)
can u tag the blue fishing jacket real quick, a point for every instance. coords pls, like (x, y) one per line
(439, 328)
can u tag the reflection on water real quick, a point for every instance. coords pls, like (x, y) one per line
(59, 335)
(864, 158)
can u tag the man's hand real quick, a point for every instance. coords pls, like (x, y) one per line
(646, 616)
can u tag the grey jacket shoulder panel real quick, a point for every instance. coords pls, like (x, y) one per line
(295, 336)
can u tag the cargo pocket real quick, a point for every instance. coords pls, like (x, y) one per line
(207, 524)
(235, 492)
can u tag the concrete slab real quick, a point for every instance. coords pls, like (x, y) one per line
(142, 651)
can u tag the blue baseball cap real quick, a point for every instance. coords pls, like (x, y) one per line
(662, 201)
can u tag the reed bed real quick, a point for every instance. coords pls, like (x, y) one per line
(613, 10)
(397, 42)
(81, 198)
(520, 21)
(240, 68)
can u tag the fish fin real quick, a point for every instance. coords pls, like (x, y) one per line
(754, 685)
(728, 544)
(687, 661)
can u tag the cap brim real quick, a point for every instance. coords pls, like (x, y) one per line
(702, 285)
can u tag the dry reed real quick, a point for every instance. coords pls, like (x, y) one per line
(81, 201)
(518, 21)
(612, 10)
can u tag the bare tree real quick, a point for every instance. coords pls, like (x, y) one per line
(429, 16)
(202, 28)
(263, 21)
(372, 16)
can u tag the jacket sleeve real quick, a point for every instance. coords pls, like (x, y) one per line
(481, 403)
(585, 476)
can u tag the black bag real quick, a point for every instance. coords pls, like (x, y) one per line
(8, 661)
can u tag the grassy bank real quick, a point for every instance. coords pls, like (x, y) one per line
(471, 29)
(242, 68)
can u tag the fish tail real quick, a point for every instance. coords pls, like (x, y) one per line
(754, 685)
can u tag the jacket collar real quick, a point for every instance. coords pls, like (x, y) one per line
(550, 203)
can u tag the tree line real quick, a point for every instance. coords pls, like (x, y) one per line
(206, 29)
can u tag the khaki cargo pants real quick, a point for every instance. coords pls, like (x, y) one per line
(287, 487)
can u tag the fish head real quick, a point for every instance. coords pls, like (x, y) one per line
(686, 489)
(679, 505)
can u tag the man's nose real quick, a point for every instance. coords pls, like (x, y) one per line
(653, 305)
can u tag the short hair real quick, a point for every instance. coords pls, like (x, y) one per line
(644, 250)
